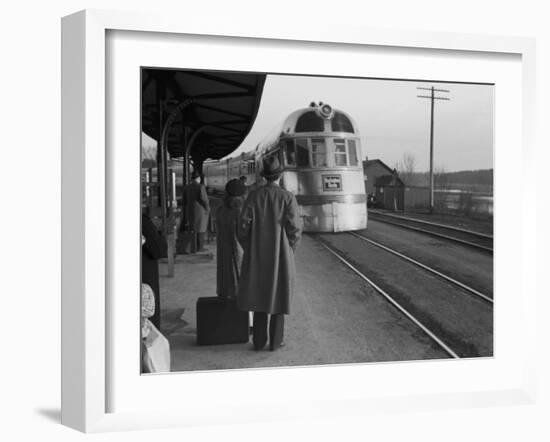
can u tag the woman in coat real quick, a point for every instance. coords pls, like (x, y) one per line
(269, 230)
(229, 251)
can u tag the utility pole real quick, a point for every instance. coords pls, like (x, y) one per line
(432, 98)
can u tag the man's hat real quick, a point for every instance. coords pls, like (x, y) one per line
(271, 167)
(235, 187)
(195, 174)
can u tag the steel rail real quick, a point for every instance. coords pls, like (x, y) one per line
(439, 235)
(430, 223)
(393, 302)
(425, 267)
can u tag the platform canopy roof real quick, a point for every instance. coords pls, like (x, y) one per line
(224, 108)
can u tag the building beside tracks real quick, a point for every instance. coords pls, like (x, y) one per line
(386, 190)
(384, 184)
(390, 192)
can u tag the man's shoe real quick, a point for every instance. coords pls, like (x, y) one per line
(273, 348)
(258, 347)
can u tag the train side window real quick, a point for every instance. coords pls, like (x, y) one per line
(340, 156)
(302, 153)
(290, 153)
(318, 152)
(352, 152)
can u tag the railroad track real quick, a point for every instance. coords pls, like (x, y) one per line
(429, 269)
(426, 326)
(466, 237)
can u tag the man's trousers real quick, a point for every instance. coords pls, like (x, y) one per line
(259, 330)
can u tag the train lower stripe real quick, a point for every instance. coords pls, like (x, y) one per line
(308, 200)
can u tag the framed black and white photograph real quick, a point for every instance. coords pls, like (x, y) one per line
(386, 255)
(326, 214)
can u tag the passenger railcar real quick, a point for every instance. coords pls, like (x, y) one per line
(320, 149)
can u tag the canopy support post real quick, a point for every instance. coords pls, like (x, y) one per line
(168, 219)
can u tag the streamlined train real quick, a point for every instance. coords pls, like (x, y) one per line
(320, 149)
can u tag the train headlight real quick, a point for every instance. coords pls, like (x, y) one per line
(325, 110)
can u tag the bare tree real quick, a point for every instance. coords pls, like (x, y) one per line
(409, 162)
(407, 168)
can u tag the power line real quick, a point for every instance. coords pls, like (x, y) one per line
(432, 99)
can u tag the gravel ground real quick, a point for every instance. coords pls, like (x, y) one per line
(468, 265)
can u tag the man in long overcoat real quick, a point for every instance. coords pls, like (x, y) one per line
(269, 230)
(197, 208)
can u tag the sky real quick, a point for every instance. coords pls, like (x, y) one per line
(391, 119)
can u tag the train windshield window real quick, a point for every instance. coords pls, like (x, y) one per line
(340, 157)
(302, 153)
(341, 123)
(318, 152)
(352, 153)
(290, 153)
(310, 122)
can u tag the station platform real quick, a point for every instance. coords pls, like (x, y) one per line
(335, 318)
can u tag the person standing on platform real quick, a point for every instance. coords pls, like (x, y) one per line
(269, 230)
(229, 251)
(197, 208)
(153, 247)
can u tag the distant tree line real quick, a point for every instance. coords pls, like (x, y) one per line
(466, 180)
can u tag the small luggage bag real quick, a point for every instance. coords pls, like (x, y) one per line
(156, 357)
(220, 322)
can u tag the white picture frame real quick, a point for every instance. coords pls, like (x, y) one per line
(85, 236)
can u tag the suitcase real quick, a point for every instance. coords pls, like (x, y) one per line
(220, 322)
